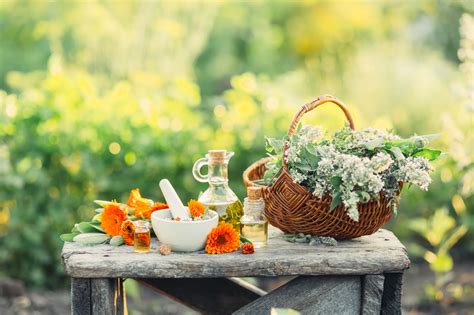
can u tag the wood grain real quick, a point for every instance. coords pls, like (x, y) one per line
(81, 296)
(312, 295)
(107, 297)
(392, 294)
(375, 254)
(372, 289)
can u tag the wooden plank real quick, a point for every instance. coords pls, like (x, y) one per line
(372, 289)
(375, 254)
(312, 295)
(208, 295)
(80, 296)
(392, 294)
(107, 296)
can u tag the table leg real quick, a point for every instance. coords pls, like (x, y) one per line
(392, 294)
(107, 296)
(312, 295)
(372, 291)
(97, 296)
(80, 296)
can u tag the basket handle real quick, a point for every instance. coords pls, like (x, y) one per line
(309, 107)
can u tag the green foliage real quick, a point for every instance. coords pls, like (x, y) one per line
(91, 238)
(442, 233)
(116, 241)
(352, 166)
(99, 98)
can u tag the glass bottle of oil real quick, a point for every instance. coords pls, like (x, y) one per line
(253, 225)
(141, 237)
(219, 197)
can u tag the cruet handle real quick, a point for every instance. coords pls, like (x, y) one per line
(197, 170)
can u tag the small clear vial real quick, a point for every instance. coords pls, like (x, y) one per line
(253, 225)
(141, 237)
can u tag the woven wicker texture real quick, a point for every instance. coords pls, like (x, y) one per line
(292, 208)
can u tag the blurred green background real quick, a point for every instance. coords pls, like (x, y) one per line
(97, 98)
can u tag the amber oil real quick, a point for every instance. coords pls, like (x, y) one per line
(141, 237)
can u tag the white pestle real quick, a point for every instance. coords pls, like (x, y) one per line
(177, 209)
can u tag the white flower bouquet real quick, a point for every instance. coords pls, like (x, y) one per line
(352, 166)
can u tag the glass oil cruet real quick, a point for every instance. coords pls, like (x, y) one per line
(219, 197)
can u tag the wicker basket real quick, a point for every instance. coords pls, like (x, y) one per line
(292, 208)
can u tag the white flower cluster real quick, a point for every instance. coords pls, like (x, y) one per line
(355, 174)
(309, 134)
(344, 172)
(297, 177)
(415, 170)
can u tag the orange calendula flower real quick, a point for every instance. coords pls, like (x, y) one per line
(143, 207)
(247, 248)
(196, 209)
(127, 231)
(133, 197)
(112, 219)
(145, 213)
(222, 239)
(136, 201)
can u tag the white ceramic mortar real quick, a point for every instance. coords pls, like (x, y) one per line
(182, 236)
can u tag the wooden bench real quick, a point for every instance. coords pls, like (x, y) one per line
(359, 276)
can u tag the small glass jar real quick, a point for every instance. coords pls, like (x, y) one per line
(253, 224)
(141, 237)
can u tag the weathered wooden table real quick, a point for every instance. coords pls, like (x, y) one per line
(359, 276)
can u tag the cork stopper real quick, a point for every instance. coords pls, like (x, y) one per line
(216, 156)
(254, 193)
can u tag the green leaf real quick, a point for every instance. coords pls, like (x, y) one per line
(430, 137)
(311, 159)
(336, 200)
(87, 227)
(419, 225)
(68, 237)
(397, 153)
(375, 143)
(102, 203)
(336, 182)
(304, 167)
(116, 241)
(429, 154)
(442, 263)
(311, 149)
(99, 210)
(274, 145)
(91, 238)
(455, 236)
(244, 240)
(75, 229)
(97, 218)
